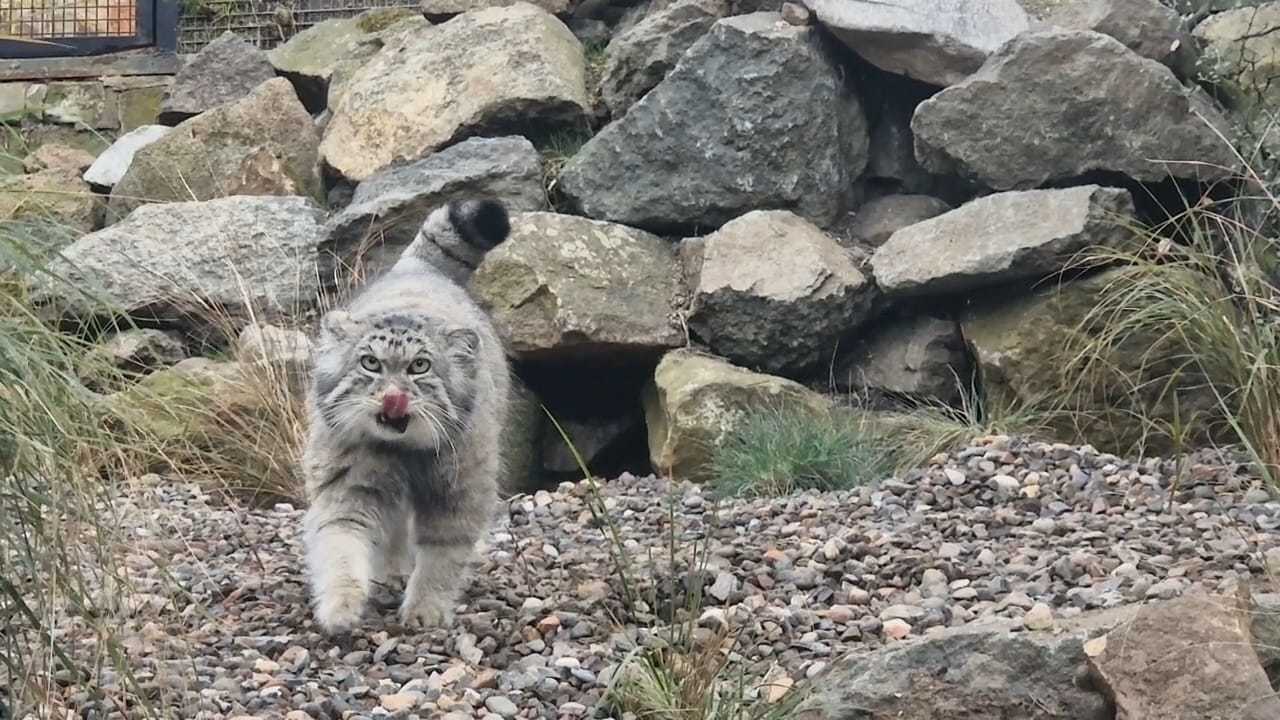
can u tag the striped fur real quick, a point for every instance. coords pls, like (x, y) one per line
(411, 500)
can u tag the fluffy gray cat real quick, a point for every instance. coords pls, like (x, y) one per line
(409, 392)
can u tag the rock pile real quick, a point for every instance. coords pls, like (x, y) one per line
(839, 194)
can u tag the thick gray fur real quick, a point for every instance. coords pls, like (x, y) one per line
(415, 502)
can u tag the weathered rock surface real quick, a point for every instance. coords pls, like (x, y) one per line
(565, 286)
(55, 156)
(160, 261)
(1023, 346)
(387, 209)
(1242, 54)
(381, 36)
(640, 57)
(882, 217)
(920, 357)
(1001, 238)
(455, 79)
(1056, 105)
(937, 41)
(110, 167)
(1186, 659)
(1146, 27)
(56, 198)
(134, 351)
(775, 128)
(310, 58)
(225, 70)
(984, 670)
(776, 293)
(262, 144)
(696, 400)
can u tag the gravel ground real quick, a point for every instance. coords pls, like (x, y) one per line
(998, 529)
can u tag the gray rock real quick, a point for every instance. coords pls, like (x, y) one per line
(775, 127)
(387, 209)
(879, 218)
(1016, 123)
(1144, 26)
(695, 401)
(774, 292)
(1264, 628)
(982, 671)
(404, 104)
(920, 357)
(454, 7)
(381, 36)
(168, 262)
(565, 286)
(998, 238)
(310, 58)
(111, 165)
(138, 350)
(226, 69)
(261, 144)
(936, 41)
(641, 56)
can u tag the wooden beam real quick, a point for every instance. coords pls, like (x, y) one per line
(135, 62)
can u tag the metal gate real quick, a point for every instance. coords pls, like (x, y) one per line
(68, 28)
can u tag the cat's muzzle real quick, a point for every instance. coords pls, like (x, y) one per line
(395, 411)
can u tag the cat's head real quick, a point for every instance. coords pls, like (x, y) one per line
(399, 379)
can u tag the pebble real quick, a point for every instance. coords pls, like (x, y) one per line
(1039, 617)
(896, 629)
(502, 706)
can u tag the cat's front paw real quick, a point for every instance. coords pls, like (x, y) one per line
(426, 614)
(339, 611)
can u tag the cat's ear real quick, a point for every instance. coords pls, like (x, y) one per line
(337, 326)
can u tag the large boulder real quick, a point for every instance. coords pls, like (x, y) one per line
(110, 167)
(55, 199)
(310, 58)
(695, 401)
(1186, 659)
(456, 79)
(920, 358)
(755, 115)
(1027, 350)
(639, 58)
(128, 353)
(774, 292)
(382, 36)
(936, 41)
(171, 263)
(262, 144)
(1057, 105)
(1001, 238)
(225, 70)
(568, 287)
(983, 670)
(387, 209)
(1147, 27)
(1242, 54)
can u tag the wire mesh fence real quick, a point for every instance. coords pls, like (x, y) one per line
(64, 19)
(265, 23)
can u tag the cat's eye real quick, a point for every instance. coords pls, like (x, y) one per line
(370, 363)
(419, 366)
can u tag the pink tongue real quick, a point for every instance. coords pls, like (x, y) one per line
(395, 405)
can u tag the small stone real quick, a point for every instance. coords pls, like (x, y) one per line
(401, 701)
(796, 14)
(502, 706)
(1045, 526)
(955, 477)
(896, 629)
(902, 612)
(263, 665)
(723, 587)
(1039, 617)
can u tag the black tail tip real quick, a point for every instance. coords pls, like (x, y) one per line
(482, 222)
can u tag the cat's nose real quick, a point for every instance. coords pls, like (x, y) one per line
(395, 404)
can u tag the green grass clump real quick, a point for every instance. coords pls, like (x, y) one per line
(778, 451)
(1206, 284)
